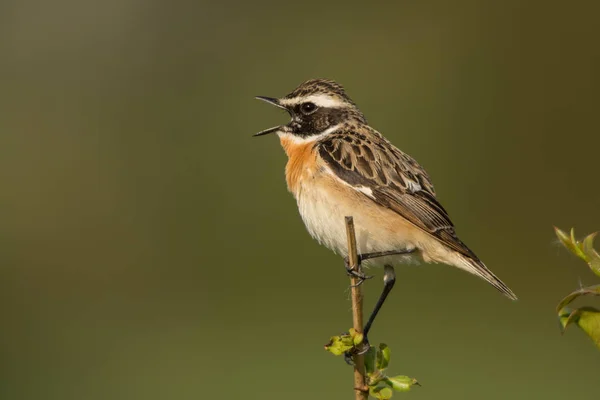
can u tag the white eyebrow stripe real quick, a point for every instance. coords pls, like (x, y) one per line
(321, 100)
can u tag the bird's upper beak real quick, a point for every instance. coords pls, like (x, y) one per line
(271, 100)
(276, 103)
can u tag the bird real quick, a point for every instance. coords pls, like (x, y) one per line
(338, 165)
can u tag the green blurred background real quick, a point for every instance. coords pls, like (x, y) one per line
(149, 248)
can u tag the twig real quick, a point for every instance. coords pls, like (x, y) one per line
(360, 387)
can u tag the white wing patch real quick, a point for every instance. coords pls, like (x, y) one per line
(366, 190)
(413, 186)
(363, 189)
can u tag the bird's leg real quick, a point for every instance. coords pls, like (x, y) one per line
(377, 254)
(389, 279)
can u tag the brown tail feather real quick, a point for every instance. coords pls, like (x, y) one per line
(476, 267)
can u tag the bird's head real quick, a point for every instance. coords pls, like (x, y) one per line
(316, 108)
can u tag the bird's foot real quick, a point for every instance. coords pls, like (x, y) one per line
(362, 348)
(355, 274)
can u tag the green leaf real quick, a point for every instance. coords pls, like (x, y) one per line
(341, 344)
(589, 322)
(578, 249)
(401, 383)
(569, 242)
(381, 392)
(590, 290)
(374, 378)
(584, 250)
(383, 356)
(338, 345)
(370, 357)
(587, 318)
(593, 258)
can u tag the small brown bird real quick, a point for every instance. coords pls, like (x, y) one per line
(338, 165)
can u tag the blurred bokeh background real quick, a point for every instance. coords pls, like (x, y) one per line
(149, 248)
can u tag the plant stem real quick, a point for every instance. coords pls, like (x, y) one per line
(360, 387)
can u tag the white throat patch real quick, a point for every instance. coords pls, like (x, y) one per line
(312, 138)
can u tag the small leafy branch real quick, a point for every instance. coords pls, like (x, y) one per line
(381, 385)
(376, 362)
(587, 318)
(369, 365)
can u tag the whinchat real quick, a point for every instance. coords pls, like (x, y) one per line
(339, 166)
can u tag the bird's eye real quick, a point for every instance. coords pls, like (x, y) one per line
(308, 108)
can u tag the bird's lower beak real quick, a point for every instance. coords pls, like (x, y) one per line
(276, 103)
(267, 131)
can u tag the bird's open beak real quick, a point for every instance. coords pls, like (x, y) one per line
(276, 103)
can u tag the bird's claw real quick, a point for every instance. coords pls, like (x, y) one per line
(348, 358)
(364, 347)
(355, 274)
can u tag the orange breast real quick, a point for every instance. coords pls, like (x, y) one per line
(302, 163)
